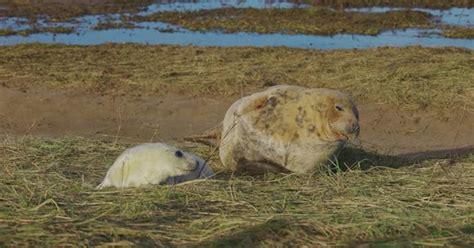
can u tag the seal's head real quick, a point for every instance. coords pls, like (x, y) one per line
(342, 116)
(180, 162)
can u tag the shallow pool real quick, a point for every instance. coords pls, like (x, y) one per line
(163, 33)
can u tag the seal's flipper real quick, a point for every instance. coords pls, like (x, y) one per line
(103, 184)
(210, 137)
(259, 167)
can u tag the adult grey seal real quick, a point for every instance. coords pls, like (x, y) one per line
(287, 128)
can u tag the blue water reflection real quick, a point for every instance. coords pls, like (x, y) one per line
(163, 33)
(218, 4)
(453, 16)
(152, 36)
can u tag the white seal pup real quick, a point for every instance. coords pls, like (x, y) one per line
(154, 163)
(287, 128)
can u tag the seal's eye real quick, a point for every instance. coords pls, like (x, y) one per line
(339, 107)
(178, 154)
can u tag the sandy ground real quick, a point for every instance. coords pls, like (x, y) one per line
(170, 118)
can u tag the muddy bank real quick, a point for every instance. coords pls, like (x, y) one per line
(141, 119)
(56, 114)
(411, 99)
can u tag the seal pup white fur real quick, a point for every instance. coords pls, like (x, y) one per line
(287, 128)
(154, 163)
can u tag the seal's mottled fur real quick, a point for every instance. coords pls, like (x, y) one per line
(287, 128)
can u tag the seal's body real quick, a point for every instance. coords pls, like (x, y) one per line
(154, 163)
(287, 128)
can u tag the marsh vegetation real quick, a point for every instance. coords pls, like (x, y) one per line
(312, 17)
(321, 21)
(48, 200)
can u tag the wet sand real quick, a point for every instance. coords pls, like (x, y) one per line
(53, 114)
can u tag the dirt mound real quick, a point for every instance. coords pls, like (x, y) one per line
(145, 118)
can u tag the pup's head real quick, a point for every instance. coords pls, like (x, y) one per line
(181, 162)
(342, 117)
(202, 171)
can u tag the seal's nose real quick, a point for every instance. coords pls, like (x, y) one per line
(196, 165)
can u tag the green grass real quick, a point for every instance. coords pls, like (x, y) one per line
(320, 21)
(411, 78)
(47, 200)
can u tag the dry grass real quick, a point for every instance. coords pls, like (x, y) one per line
(413, 77)
(458, 32)
(321, 21)
(47, 200)
(64, 10)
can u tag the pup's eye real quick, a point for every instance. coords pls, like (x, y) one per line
(339, 108)
(178, 154)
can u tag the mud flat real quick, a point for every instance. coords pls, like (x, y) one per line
(412, 99)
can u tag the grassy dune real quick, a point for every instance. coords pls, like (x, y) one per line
(412, 78)
(47, 199)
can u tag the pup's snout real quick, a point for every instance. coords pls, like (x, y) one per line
(192, 165)
(196, 165)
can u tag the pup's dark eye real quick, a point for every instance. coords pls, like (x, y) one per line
(178, 154)
(339, 108)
